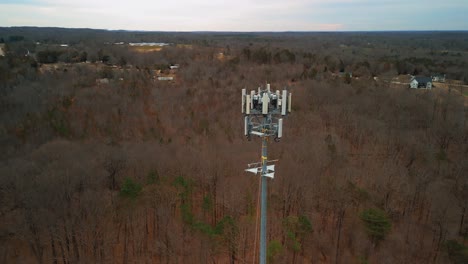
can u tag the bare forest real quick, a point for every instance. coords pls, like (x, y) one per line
(128, 147)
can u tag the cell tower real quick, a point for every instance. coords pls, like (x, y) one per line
(263, 116)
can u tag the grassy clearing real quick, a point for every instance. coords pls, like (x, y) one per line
(187, 46)
(146, 48)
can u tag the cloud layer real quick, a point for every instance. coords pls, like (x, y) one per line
(240, 15)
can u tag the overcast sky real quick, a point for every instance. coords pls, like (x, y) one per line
(238, 15)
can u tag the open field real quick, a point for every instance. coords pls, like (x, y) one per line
(146, 48)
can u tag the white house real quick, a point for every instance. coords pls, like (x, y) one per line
(421, 83)
(438, 78)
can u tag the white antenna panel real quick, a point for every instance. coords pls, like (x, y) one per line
(248, 104)
(278, 99)
(243, 99)
(283, 102)
(265, 100)
(280, 128)
(246, 128)
(289, 102)
(252, 93)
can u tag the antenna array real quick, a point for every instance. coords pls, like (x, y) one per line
(263, 112)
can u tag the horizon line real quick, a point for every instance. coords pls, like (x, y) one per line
(241, 31)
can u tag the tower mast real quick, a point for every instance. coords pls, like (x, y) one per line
(262, 110)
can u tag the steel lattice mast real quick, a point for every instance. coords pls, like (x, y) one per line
(262, 110)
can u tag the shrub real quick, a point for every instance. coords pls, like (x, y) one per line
(58, 122)
(130, 189)
(377, 223)
(153, 177)
(274, 249)
(458, 253)
(296, 227)
(441, 155)
(207, 204)
(187, 215)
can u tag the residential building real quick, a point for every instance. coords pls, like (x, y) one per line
(421, 83)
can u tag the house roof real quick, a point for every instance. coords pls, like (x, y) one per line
(421, 79)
